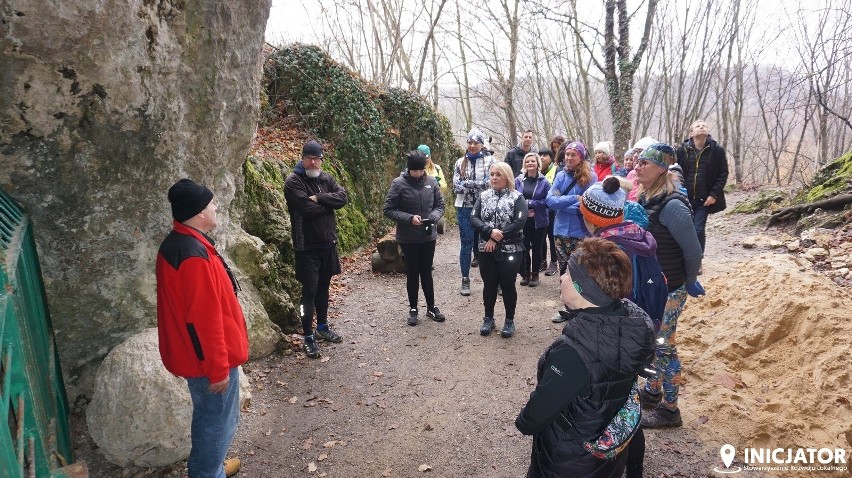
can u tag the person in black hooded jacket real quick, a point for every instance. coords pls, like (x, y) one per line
(416, 204)
(586, 375)
(705, 172)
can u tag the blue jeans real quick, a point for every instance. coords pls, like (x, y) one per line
(214, 423)
(466, 236)
(699, 219)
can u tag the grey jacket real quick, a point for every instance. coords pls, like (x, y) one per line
(408, 197)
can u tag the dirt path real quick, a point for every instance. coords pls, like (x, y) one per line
(765, 355)
(392, 398)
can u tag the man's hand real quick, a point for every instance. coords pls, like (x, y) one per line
(695, 289)
(496, 235)
(220, 387)
(416, 220)
(313, 198)
(490, 245)
(709, 201)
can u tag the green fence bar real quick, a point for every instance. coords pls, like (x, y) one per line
(34, 438)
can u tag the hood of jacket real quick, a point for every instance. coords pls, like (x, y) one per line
(631, 237)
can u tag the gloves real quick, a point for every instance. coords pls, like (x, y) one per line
(695, 289)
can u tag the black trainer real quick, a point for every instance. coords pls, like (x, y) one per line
(412, 317)
(661, 417)
(329, 336)
(435, 314)
(310, 347)
(475, 261)
(487, 326)
(508, 329)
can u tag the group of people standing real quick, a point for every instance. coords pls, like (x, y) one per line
(584, 413)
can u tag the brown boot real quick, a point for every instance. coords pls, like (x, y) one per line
(533, 280)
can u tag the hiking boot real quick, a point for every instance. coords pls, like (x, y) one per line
(475, 261)
(412, 317)
(525, 280)
(649, 400)
(533, 280)
(435, 314)
(465, 288)
(329, 335)
(543, 266)
(310, 347)
(559, 318)
(551, 269)
(661, 417)
(487, 326)
(232, 467)
(508, 329)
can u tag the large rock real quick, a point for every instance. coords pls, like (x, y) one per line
(103, 105)
(140, 413)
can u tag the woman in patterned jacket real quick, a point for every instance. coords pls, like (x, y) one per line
(498, 220)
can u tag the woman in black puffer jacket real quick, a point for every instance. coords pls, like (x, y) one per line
(588, 374)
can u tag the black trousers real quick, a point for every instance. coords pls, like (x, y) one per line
(533, 245)
(498, 268)
(314, 269)
(418, 268)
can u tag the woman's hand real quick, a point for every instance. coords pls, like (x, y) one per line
(490, 245)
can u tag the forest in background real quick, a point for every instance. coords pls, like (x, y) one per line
(772, 78)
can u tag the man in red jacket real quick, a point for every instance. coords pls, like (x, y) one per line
(201, 326)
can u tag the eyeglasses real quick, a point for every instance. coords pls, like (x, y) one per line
(315, 159)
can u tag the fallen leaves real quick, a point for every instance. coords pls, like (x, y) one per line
(729, 381)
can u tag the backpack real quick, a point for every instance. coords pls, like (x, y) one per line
(650, 291)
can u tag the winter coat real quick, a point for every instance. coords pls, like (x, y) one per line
(409, 196)
(202, 331)
(515, 159)
(314, 224)
(607, 168)
(471, 178)
(612, 343)
(505, 210)
(568, 221)
(538, 201)
(705, 172)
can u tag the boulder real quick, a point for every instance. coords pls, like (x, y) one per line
(140, 413)
(104, 106)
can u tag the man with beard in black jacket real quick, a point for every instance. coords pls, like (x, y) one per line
(312, 196)
(705, 172)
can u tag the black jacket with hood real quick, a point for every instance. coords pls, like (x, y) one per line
(314, 224)
(584, 378)
(409, 196)
(705, 172)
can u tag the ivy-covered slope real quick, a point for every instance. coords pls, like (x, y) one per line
(366, 131)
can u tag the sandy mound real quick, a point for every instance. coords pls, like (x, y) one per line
(767, 357)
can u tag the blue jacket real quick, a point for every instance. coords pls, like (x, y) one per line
(568, 221)
(538, 201)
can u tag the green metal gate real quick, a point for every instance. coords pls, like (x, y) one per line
(35, 440)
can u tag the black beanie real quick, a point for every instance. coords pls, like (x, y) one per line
(188, 199)
(416, 160)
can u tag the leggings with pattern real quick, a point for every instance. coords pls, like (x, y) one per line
(666, 360)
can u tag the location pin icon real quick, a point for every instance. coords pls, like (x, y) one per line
(727, 452)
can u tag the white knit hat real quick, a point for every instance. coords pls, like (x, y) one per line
(604, 147)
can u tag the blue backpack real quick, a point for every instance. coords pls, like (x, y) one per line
(650, 291)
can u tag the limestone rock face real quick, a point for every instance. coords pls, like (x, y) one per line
(140, 414)
(104, 105)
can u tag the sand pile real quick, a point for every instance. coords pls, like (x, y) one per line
(767, 357)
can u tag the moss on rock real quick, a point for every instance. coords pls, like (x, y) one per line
(831, 180)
